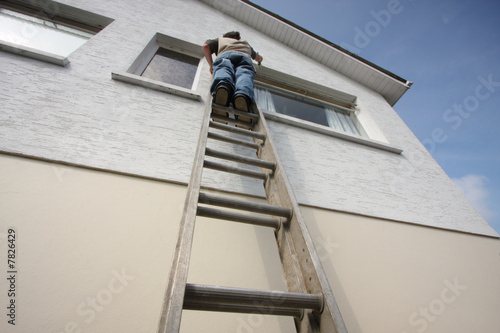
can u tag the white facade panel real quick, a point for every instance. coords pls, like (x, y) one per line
(79, 115)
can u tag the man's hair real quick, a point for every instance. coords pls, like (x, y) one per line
(233, 35)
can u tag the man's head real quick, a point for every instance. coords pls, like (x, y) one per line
(233, 35)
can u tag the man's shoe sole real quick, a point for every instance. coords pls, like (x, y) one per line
(240, 103)
(221, 97)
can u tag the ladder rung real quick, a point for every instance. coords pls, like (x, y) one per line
(212, 296)
(262, 221)
(236, 308)
(224, 119)
(235, 170)
(240, 158)
(237, 130)
(234, 111)
(244, 205)
(228, 139)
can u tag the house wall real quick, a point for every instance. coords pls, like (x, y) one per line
(79, 115)
(94, 251)
(84, 232)
(395, 277)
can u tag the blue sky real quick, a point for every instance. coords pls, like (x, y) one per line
(450, 50)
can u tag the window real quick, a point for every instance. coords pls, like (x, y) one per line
(166, 64)
(299, 106)
(40, 34)
(172, 67)
(307, 105)
(49, 31)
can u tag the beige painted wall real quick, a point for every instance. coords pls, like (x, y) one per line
(392, 277)
(94, 250)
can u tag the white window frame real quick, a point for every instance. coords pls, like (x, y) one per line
(327, 104)
(325, 95)
(133, 73)
(63, 15)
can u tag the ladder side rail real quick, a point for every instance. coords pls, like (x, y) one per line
(295, 244)
(170, 318)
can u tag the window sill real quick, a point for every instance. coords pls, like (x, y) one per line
(34, 53)
(331, 132)
(155, 85)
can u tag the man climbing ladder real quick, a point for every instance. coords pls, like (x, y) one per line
(309, 298)
(233, 70)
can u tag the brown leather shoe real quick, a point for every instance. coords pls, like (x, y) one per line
(221, 96)
(241, 102)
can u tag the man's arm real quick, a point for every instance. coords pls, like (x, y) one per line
(208, 56)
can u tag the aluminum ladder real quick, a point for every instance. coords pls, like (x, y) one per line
(309, 299)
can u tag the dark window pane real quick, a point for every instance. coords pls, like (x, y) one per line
(298, 107)
(172, 67)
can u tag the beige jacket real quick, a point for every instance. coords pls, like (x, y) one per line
(241, 46)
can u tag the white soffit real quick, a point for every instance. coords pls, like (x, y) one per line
(389, 85)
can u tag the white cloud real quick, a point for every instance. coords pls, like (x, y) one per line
(474, 189)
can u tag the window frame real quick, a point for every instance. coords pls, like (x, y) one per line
(322, 101)
(54, 12)
(133, 73)
(371, 135)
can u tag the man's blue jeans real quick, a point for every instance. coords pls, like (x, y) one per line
(236, 71)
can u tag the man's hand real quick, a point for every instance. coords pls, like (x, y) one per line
(259, 58)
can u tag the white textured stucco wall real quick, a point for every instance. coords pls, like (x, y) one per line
(79, 115)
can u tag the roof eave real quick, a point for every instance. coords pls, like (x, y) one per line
(391, 86)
